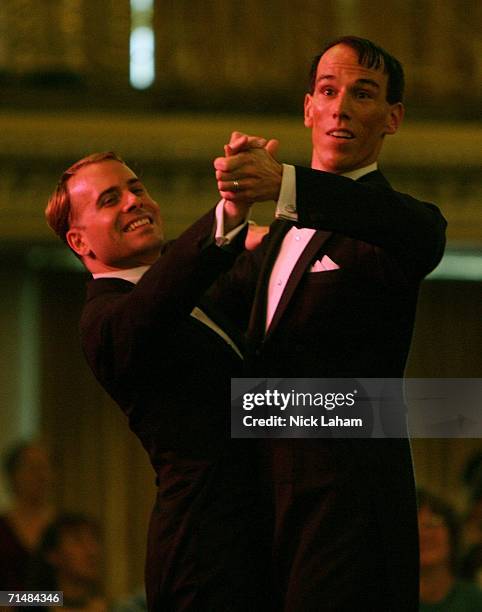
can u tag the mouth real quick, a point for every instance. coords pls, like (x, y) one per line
(136, 223)
(341, 134)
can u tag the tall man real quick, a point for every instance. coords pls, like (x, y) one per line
(337, 302)
(168, 367)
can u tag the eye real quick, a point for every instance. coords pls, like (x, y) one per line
(327, 91)
(364, 95)
(110, 200)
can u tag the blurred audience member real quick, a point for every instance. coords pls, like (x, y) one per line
(29, 477)
(471, 565)
(69, 560)
(440, 588)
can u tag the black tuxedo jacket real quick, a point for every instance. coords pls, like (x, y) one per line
(345, 533)
(170, 375)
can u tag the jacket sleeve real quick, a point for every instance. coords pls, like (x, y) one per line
(120, 325)
(412, 230)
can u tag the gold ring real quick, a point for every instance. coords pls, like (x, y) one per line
(235, 185)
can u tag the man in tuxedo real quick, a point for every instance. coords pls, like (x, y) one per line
(168, 365)
(334, 288)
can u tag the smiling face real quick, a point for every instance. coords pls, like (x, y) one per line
(348, 112)
(115, 223)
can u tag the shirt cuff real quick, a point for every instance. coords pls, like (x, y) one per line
(220, 238)
(286, 208)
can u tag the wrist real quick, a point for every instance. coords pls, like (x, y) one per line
(234, 214)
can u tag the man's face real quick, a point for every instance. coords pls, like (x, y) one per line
(115, 223)
(348, 112)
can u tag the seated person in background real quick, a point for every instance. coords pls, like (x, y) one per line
(471, 564)
(69, 560)
(440, 588)
(29, 477)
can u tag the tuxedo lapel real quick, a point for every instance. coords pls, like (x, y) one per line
(257, 322)
(278, 230)
(311, 249)
(258, 315)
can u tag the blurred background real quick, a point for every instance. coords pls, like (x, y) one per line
(163, 84)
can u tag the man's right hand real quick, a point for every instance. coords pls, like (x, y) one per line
(248, 173)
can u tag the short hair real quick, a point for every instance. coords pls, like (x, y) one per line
(59, 208)
(437, 505)
(371, 56)
(41, 574)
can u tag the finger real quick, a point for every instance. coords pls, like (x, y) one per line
(236, 136)
(239, 144)
(272, 146)
(225, 164)
(228, 176)
(256, 142)
(231, 163)
(241, 141)
(233, 186)
(230, 195)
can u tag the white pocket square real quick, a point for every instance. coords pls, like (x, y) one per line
(325, 264)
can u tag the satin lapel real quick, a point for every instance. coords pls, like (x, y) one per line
(311, 249)
(257, 321)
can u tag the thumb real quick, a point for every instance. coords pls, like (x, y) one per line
(272, 146)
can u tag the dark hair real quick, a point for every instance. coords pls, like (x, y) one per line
(13, 457)
(372, 56)
(443, 509)
(41, 575)
(69, 521)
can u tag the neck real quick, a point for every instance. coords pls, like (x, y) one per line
(435, 583)
(96, 266)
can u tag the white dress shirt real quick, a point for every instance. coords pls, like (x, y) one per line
(296, 240)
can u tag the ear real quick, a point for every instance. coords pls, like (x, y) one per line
(76, 241)
(308, 110)
(395, 116)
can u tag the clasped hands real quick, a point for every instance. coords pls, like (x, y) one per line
(248, 172)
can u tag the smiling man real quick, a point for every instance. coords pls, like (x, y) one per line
(114, 223)
(168, 366)
(331, 293)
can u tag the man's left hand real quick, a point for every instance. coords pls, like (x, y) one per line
(251, 175)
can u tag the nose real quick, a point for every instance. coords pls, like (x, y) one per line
(131, 201)
(341, 106)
